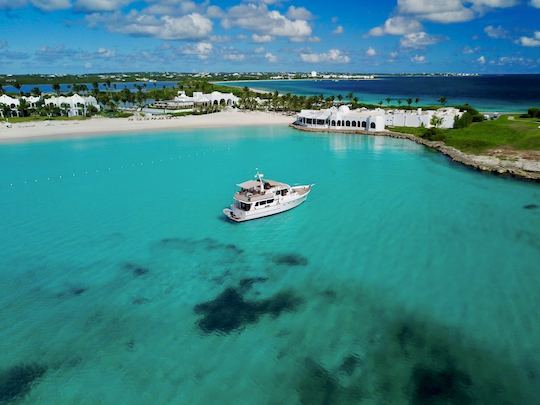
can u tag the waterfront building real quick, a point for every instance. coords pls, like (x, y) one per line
(342, 118)
(14, 104)
(363, 119)
(419, 117)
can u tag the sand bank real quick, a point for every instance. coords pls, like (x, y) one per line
(27, 131)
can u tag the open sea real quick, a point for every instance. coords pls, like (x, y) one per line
(404, 278)
(502, 93)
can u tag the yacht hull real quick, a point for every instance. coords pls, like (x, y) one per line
(284, 205)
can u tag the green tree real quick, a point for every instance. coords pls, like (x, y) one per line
(36, 92)
(442, 100)
(436, 121)
(56, 88)
(416, 100)
(388, 99)
(409, 101)
(18, 86)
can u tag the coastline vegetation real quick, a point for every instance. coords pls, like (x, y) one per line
(508, 132)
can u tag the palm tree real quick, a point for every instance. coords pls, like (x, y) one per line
(36, 91)
(416, 100)
(17, 85)
(56, 88)
(339, 97)
(23, 107)
(350, 96)
(381, 102)
(388, 99)
(95, 88)
(1, 89)
(399, 101)
(443, 100)
(409, 101)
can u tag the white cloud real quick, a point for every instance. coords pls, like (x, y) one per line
(339, 30)
(202, 50)
(533, 41)
(234, 57)
(106, 53)
(270, 57)
(371, 51)
(481, 60)
(418, 40)
(495, 31)
(260, 20)
(101, 5)
(396, 26)
(259, 49)
(261, 38)
(50, 5)
(418, 59)
(535, 3)
(450, 11)
(299, 13)
(332, 56)
(191, 26)
(467, 50)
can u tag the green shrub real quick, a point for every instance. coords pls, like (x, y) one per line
(433, 134)
(464, 121)
(533, 112)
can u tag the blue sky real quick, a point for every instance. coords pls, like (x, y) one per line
(83, 36)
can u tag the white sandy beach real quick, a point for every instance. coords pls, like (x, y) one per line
(101, 126)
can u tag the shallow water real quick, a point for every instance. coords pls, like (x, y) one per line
(404, 278)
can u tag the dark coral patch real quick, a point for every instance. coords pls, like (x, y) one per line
(230, 311)
(530, 206)
(247, 283)
(77, 290)
(135, 269)
(17, 381)
(290, 259)
(72, 292)
(191, 245)
(349, 364)
(140, 301)
(444, 385)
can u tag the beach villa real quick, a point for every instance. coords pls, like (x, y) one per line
(374, 120)
(183, 101)
(74, 105)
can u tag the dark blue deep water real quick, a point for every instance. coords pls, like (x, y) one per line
(487, 93)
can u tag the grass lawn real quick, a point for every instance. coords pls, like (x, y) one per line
(507, 132)
(39, 118)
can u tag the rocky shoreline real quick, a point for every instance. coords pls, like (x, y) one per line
(519, 167)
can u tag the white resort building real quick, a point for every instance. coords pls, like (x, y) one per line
(342, 118)
(376, 120)
(74, 105)
(183, 101)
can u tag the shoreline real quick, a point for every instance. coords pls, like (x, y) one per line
(525, 169)
(94, 127)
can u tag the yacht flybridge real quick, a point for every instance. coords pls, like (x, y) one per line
(260, 198)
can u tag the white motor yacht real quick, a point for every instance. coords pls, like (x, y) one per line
(261, 198)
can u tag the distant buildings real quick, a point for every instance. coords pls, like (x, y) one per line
(376, 120)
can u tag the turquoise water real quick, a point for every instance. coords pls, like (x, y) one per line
(503, 93)
(403, 279)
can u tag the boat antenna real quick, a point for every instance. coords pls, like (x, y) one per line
(259, 176)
